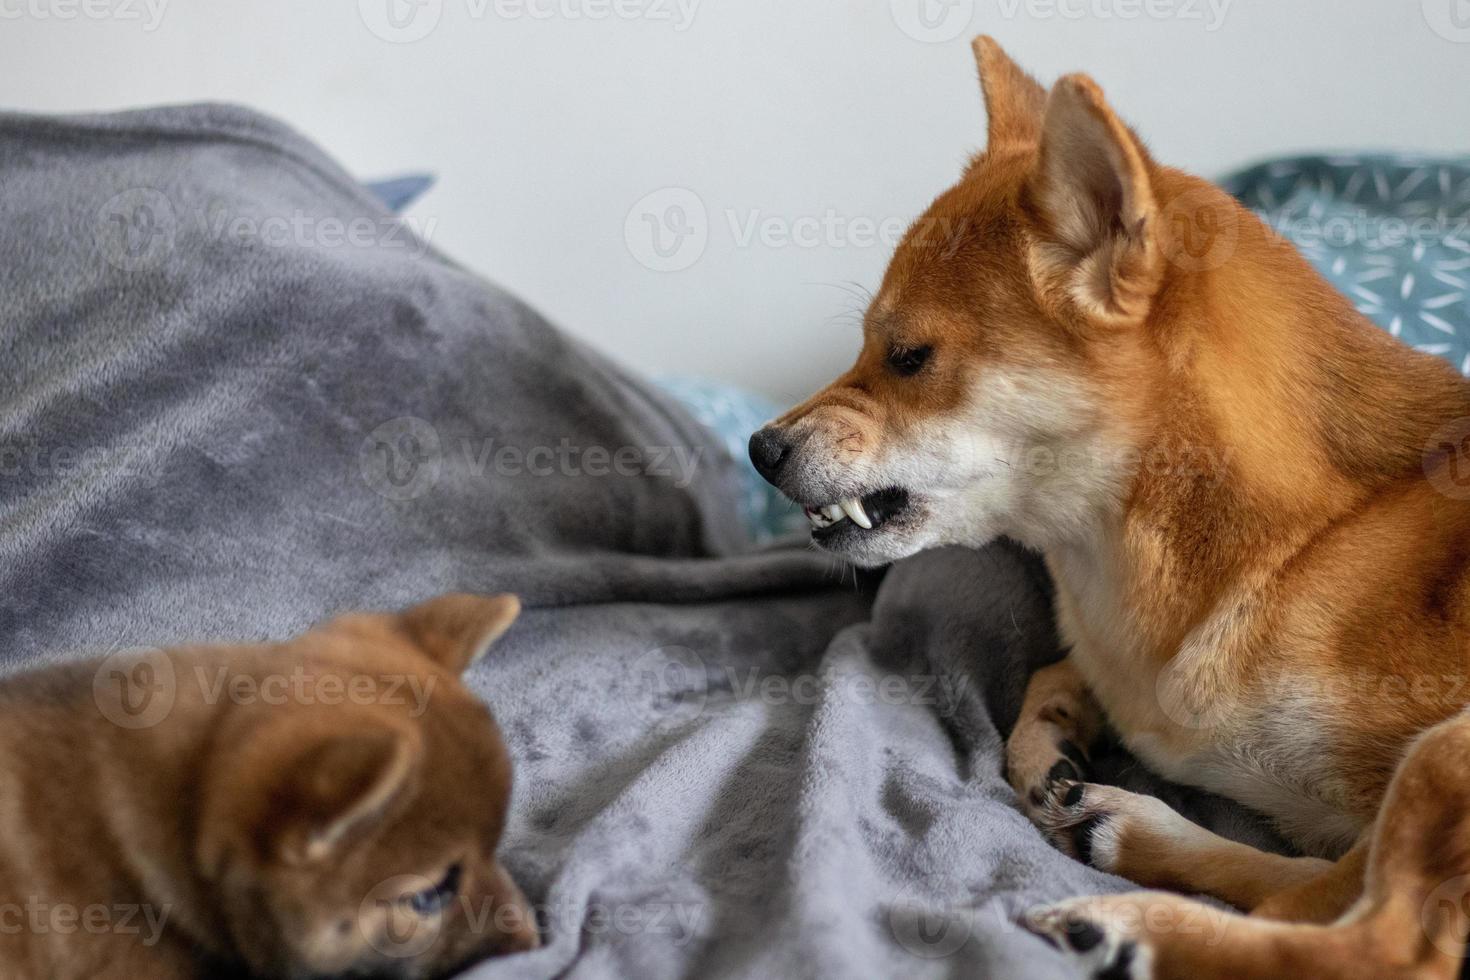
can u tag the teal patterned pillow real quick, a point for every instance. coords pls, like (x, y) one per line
(1392, 232)
(734, 413)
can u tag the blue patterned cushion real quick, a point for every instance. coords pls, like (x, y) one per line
(734, 413)
(1391, 232)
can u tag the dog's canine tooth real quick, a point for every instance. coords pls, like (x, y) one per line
(853, 507)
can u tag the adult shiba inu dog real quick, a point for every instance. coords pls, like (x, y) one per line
(1247, 498)
(325, 807)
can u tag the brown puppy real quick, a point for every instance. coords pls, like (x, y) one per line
(326, 806)
(1247, 496)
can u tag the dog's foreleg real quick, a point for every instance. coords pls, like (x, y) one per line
(1145, 840)
(1058, 724)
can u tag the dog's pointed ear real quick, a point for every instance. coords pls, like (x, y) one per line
(1014, 101)
(296, 791)
(1091, 200)
(455, 630)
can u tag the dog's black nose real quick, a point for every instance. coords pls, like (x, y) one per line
(767, 452)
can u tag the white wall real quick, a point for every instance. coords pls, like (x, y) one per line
(547, 130)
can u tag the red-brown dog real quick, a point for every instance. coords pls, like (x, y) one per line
(1245, 493)
(325, 807)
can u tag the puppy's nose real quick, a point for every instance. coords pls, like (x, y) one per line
(768, 451)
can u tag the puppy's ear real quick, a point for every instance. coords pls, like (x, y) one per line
(341, 785)
(1091, 201)
(295, 791)
(1014, 101)
(455, 630)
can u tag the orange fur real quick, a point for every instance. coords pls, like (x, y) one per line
(276, 814)
(1269, 596)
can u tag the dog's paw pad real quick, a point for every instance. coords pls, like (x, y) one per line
(1101, 953)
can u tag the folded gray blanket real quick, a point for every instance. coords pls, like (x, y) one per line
(236, 395)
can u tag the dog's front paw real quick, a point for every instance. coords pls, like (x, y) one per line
(1103, 944)
(1104, 826)
(1039, 759)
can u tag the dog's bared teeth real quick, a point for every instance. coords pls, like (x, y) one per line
(853, 508)
(828, 514)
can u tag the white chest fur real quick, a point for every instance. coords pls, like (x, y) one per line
(1215, 716)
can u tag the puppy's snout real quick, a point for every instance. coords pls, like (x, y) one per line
(768, 451)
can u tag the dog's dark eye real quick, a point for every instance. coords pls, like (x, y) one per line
(907, 361)
(432, 901)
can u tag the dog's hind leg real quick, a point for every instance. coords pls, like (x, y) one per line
(1057, 726)
(1409, 922)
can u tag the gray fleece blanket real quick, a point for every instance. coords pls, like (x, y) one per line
(237, 395)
